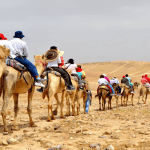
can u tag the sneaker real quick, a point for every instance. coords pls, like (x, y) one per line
(70, 88)
(133, 92)
(39, 84)
(112, 94)
(40, 79)
(83, 81)
(81, 88)
(119, 94)
(40, 90)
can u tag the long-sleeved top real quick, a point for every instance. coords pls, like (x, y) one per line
(102, 81)
(107, 79)
(20, 47)
(9, 46)
(144, 81)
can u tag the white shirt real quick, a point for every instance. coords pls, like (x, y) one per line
(116, 81)
(54, 63)
(102, 81)
(71, 67)
(9, 46)
(20, 47)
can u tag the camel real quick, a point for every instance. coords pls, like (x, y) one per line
(126, 91)
(82, 94)
(115, 87)
(144, 91)
(104, 93)
(14, 84)
(55, 85)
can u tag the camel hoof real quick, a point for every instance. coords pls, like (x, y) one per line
(49, 120)
(63, 117)
(53, 118)
(33, 125)
(55, 112)
(15, 128)
(74, 114)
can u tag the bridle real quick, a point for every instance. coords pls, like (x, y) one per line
(44, 64)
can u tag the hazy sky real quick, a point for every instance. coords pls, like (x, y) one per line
(87, 30)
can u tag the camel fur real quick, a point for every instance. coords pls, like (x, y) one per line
(126, 91)
(14, 85)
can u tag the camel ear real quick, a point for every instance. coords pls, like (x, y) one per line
(42, 56)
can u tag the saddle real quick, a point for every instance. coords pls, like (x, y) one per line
(103, 87)
(15, 64)
(74, 78)
(124, 85)
(144, 85)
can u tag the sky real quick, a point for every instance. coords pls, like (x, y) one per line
(86, 30)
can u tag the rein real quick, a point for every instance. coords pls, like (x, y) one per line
(44, 64)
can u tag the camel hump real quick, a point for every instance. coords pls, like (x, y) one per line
(15, 64)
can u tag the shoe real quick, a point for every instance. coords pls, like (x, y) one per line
(39, 84)
(40, 90)
(70, 88)
(119, 94)
(88, 92)
(81, 88)
(40, 79)
(112, 94)
(133, 92)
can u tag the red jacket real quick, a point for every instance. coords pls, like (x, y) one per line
(147, 78)
(62, 61)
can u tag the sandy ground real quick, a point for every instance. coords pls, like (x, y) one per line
(123, 127)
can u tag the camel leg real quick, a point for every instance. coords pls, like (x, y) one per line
(126, 100)
(29, 108)
(8, 86)
(132, 99)
(73, 105)
(117, 102)
(61, 106)
(145, 98)
(68, 105)
(110, 102)
(49, 104)
(16, 109)
(58, 103)
(138, 99)
(84, 101)
(100, 103)
(104, 101)
(121, 101)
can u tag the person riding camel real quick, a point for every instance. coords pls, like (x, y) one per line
(115, 80)
(129, 80)
(103, 81)
(70, 65)
(147, 78)
(144, 80)
(126, 81)
(61, 57)
(105, 76)
(20, 54)
(81, 70)
(53, 59)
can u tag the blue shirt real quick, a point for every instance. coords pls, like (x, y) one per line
(79, 74)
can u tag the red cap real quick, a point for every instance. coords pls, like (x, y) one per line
(2, 37)
(145, 75)
(123, 76)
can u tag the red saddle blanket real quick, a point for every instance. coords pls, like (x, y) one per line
(104, 87)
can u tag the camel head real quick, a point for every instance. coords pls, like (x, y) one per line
(136, 84)
(4, 52)
(40, 63)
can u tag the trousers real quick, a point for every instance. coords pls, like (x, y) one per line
(64, 74)
(30, 67)
(111, 88)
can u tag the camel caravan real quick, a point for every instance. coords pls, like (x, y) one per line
(52, 76)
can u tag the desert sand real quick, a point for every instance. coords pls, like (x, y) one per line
(123, 127)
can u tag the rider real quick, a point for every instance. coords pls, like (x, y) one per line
(19, 52)
(105, 76)
(129, 80)
(147, 78)
(54, 64)
(144, 80)
(81, 70)
(70, 65)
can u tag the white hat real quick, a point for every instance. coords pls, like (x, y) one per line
(104, 75)
(60, 52)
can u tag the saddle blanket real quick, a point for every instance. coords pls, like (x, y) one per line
(106, 87)
(15, 64)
